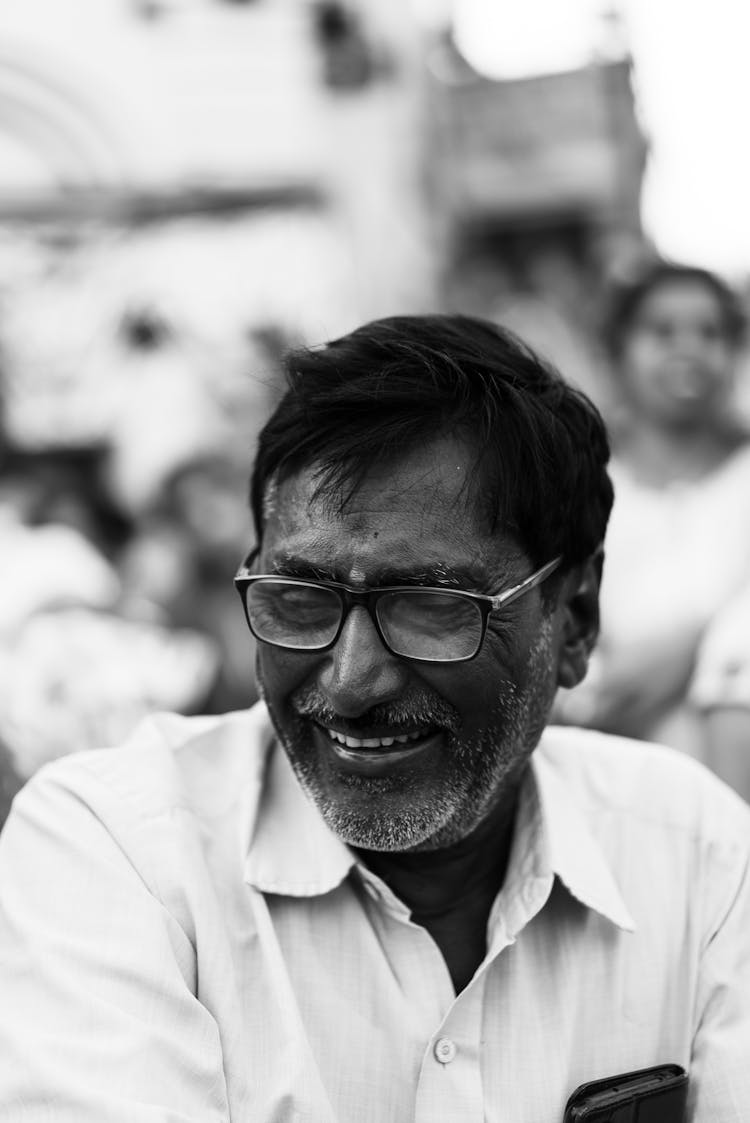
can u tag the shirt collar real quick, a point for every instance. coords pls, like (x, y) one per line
(293, 852)
(565, 844)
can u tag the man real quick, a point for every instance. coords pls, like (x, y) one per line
(401, 898)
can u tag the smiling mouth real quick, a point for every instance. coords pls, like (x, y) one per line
(375, 754)
(379, 743)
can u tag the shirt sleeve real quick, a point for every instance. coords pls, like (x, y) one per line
(99, 1020)
(720, 1072)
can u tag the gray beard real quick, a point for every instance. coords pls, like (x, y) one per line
(479, 774)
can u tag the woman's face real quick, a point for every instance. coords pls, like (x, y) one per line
(677, 361)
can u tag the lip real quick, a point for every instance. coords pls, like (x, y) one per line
(688, 380)
(688, 390)
(376, 762)
(372, 731)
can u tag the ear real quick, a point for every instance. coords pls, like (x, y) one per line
(579, 607)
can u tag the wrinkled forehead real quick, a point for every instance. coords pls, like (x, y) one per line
(435, 476)
(680, 296)
(424, 508)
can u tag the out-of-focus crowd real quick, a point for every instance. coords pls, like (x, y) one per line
(118, 547)
(673, 659)
(127, 435)
(104, 617)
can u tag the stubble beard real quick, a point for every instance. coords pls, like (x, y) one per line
(480, 772)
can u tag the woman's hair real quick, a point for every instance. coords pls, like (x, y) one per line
(394, 385)
(627, 299)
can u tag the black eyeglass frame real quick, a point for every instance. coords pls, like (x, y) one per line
(368, 598)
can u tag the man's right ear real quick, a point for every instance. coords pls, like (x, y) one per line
(579, 603)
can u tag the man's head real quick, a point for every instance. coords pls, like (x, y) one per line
(427, 452)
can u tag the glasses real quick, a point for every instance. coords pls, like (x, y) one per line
(431, 625)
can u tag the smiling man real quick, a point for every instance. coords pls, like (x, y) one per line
(387, 892)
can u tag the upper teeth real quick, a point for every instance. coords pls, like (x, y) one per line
(371, 742)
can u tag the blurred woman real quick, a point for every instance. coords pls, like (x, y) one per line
(673, 663)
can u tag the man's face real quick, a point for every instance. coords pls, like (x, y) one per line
(470, 726)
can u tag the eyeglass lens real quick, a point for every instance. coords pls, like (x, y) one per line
(429, 625)
(293, 615)
(415, 623)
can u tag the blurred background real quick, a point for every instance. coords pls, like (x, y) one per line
(187, 187)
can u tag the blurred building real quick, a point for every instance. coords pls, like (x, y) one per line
(230, 167)
(186, 188)
(535, 184)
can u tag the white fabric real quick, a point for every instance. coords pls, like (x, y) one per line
(183, 939)
(84, 678)
(675, 593)
(675, 555)
(676, 559)
(46, 566)
(722, 677)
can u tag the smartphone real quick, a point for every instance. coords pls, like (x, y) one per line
(650, 1095)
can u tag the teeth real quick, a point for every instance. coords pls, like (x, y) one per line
(372, 742)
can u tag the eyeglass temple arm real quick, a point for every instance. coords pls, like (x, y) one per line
(531, 582)
(244, 570)
(506, 597)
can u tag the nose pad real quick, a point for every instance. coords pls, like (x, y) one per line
(359, 671)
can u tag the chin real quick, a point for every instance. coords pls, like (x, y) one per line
(394, 835)
(385, 814)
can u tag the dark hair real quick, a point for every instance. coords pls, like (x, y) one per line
(627, 298)
(397, 383)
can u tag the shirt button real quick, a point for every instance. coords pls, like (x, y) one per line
(445, 1050)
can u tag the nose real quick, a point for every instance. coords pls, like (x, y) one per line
(359, 672)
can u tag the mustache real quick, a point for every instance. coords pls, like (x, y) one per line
(417, 707)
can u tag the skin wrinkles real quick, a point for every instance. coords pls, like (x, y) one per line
(468, 578)
(364, 508)
(486, 715)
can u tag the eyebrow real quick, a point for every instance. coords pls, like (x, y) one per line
(439, 575)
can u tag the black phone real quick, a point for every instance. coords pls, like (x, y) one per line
(650, 1095)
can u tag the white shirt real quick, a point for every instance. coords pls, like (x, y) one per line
(183, 940)
(676, 589)
(675, 555)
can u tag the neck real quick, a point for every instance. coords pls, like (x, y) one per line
(660, 455)
(433, 883)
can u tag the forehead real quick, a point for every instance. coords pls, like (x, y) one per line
(689, 298)
(420, 511)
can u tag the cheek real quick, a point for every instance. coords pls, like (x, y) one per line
(516, 669)
(505, 646)
(721, 362)
(639, 363)
(280, 673)
(475, 688)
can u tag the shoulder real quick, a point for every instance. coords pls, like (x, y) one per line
(170, 764)
(646, 787)
(675, 838)
(161, 822)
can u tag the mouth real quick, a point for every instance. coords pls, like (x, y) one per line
(687, 389)
(378, 752)
(688, 382)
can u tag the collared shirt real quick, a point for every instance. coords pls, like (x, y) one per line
(183, 939)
